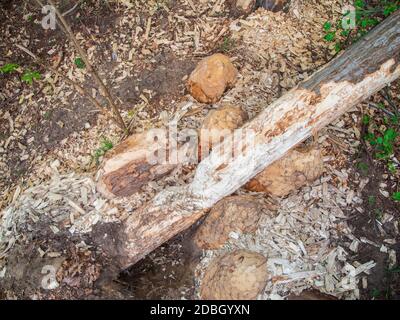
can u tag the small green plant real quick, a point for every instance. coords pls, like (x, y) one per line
(375, 293)
(79, 63)
(392, 167)
(366, 16)
(366, 119)
(394, 270)
(383, 142)
(363, 167)
(396, 196)
(378, 214)
(105, 145)
(383, 138)
(29, 76)
(8, 68)
(371, 200)
(227, 44)
(47, 115)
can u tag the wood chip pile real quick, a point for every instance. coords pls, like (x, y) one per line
(300, 243)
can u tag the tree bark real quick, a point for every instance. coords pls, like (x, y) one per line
(362, 70)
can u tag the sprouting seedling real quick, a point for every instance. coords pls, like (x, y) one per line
(330, 35)
(29, 76)
(227, 44)
(396, 196)
(79, 63)
(105, 146)
(8, 68)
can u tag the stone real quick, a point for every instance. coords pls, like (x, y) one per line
(239, 275)
(218, 124)
(296, 169)
(212, 76)
(232, 214)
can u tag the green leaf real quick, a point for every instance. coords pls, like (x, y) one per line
(79, 63)
(390, 135)
(330, 36)
(362, 166)
(106, 145)
(392, 167)
(396, 196)
(364, 23)
(345, 33)
(359, 3)
(370, 137)
(371, 200)
(394, 119)
(381, 105)
(327, 26)
(389, 9)
(29, 76)
(366, 119)
(9, 67)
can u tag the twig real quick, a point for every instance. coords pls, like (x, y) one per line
(72, 9)
(75, 85)
(388, 98)
(84, 57)
(375, 106)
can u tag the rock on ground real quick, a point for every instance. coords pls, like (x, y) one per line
(296, 169)
(232, 214)
(239, 275)
(220, 123)
(212, 76)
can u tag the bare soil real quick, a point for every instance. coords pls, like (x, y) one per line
(384, 282)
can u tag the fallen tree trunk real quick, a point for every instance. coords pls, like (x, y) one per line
(365, 68)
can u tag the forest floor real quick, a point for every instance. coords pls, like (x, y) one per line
(146, 51)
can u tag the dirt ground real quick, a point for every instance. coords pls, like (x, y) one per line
(48, 120)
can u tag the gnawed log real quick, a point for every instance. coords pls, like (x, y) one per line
(362, 70)
(133, 163)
